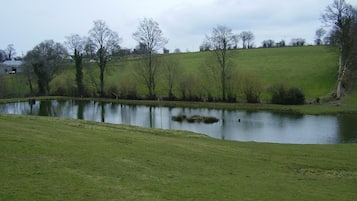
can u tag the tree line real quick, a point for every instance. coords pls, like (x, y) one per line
(45, 60)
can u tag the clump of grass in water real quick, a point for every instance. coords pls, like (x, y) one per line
(195, 119)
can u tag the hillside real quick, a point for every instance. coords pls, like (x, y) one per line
(312, 69)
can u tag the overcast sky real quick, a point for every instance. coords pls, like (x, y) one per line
(26, 23)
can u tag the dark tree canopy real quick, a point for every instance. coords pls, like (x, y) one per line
(46, 59)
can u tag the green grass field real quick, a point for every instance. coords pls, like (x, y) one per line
(312, 69)
(57, 159)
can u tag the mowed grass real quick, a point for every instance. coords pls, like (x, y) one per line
(57, 159)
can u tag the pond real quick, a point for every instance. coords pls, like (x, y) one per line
(232, 125)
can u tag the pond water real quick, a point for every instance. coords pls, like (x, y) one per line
(232, 125)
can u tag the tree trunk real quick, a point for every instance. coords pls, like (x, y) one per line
(79, 72)
(223, 76)
(151, 75)
(340, 77)
(30, 85)
(101, 81)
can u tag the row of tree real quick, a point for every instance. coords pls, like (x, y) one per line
(247, 38)
(45, 60)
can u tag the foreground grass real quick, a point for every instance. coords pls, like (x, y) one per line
(55, 159)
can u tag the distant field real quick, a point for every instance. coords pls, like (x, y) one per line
(45, 158)
(312, 69)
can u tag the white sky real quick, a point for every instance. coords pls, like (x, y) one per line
(26, 23)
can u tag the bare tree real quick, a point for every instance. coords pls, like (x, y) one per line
(30, 75)
(247, 39)
(10, 52)
(104, 41)
(280, 44)
(318, 36)
(298, 42)
(177, 50)
(76, 44)
(342, 17)
(89, 48)
(171, 72)
(2, 55)
(268, 43)
(151, 37)
(46, 59)
(205, 46)
(236, 39)
(221, 40)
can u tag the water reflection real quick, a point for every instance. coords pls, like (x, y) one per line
(233, 125)
(347, 128)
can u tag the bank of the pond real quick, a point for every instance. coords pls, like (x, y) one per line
(313, 109)
(59, 159)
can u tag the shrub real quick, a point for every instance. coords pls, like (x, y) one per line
(113, 91)
(189, 87)
(278, 94)
(295, 97)
(128, 89)
(251, 87)
(292, 96)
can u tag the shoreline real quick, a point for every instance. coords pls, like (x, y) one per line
(308, 109)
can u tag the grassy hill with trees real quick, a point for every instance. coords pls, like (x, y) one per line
(311, 69)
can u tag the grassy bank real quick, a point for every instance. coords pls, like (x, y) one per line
(56, 159)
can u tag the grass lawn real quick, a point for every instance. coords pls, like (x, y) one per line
(57, 159)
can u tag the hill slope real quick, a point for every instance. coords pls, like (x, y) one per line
(312, 69)
(55, 159)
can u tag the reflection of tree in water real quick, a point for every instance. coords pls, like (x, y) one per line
(80, 108)
(63, 108)
(102, 111)
(128, 112)
(223, 118)
(46, 109)
(347, 128)
(32, 102)
(151, 118)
